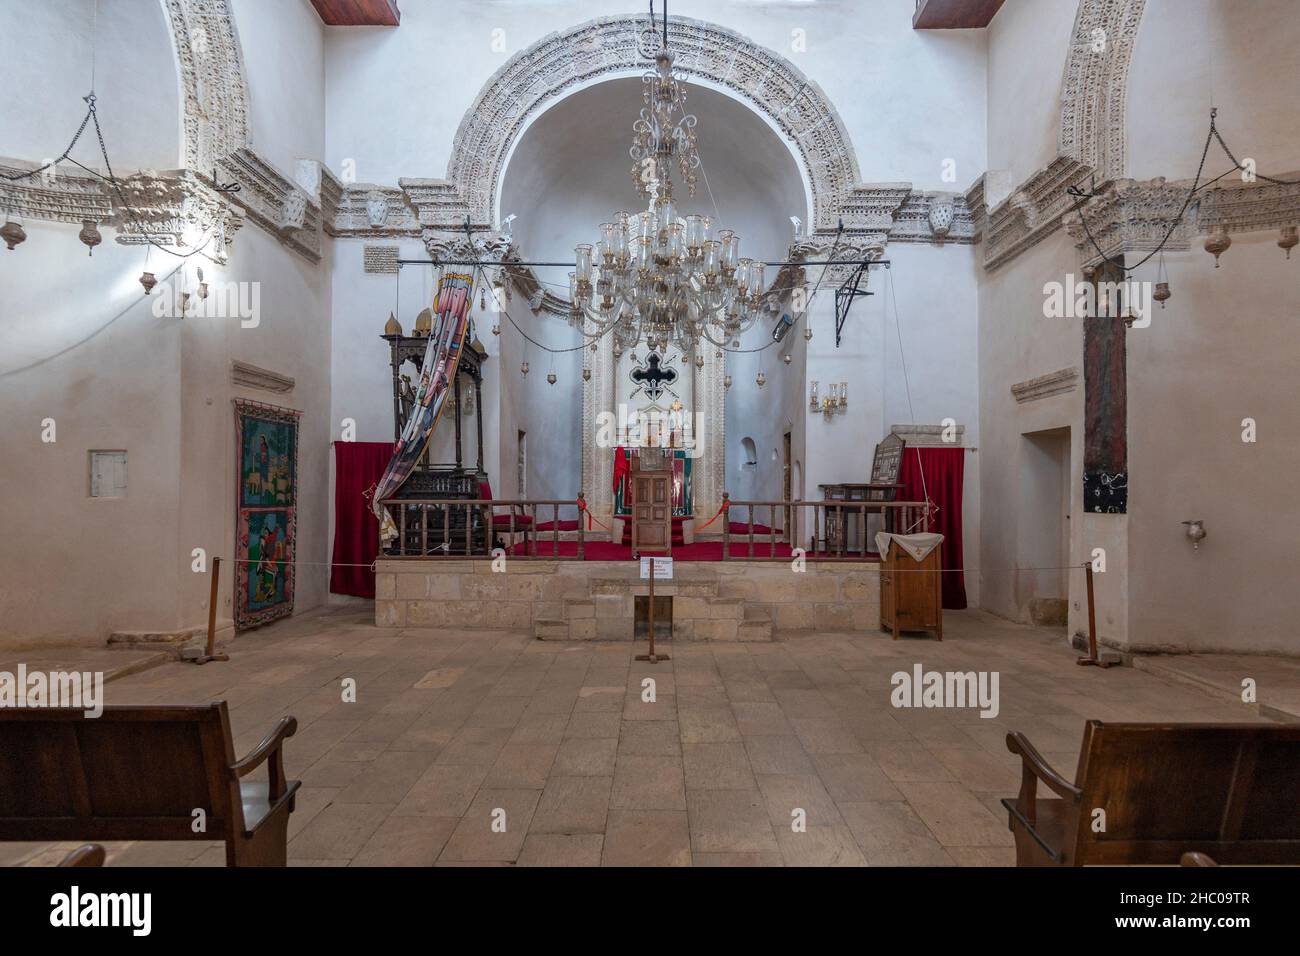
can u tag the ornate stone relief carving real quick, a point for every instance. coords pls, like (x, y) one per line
(275, 202)
(1131, 216)
(211, 69)
(172, 207)
(1091, 138)
(609, 45)
(1053, 383)
(1095, 84)
(68, 195)
(1032, 212)
(353, 213)
(1250, 207)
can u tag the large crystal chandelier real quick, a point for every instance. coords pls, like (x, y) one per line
(655, 276)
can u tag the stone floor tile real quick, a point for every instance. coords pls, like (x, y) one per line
(646, 838)
(728, 821)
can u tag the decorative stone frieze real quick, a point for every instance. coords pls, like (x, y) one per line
(1131, 216)
(274, 202)
(1053, 383)
(175, 208)
(356, 208)
(1250, 207)
(1033, 212)
(60, 194)
(1134, 216)
(933, 217)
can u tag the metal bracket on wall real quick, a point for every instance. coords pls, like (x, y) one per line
(846, 295)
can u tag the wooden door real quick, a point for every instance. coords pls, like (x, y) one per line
(652, 508)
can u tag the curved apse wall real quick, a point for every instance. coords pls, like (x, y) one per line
(571, 171)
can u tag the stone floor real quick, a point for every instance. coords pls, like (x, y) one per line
(450, 729)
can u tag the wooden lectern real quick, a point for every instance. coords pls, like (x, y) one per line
(652, 500)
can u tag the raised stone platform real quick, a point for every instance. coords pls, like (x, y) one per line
(593, 600)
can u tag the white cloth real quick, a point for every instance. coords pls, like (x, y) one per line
(917, 545)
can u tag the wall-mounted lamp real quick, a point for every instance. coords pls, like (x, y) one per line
(1195, 533)
(837, 401)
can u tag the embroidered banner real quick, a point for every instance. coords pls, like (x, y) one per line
(451, 306)
(265, 508)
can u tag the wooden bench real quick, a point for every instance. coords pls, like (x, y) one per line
(140, 773)
(1231, 791)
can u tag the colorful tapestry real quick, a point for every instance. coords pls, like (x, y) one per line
(451, 306)
(266, 507)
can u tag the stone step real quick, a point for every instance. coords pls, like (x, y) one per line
(545, 630)
(754, 631)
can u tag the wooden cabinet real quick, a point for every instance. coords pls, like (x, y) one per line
(911, 591)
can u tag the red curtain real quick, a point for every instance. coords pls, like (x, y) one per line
(358, 466)
(942, 469)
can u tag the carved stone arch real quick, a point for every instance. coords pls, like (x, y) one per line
(533, 78)
(1095, 85)
(214, 95)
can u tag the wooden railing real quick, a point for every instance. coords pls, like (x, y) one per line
(836, 527)
(460, 528)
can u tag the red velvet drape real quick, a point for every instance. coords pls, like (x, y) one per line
(358, 466)
(943, 469)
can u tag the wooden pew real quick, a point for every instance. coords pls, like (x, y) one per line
(1231, 791)
(140, 773)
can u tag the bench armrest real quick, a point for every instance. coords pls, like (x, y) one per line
(1032, 769)
(272, 747)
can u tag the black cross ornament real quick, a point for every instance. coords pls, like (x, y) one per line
(652, 377)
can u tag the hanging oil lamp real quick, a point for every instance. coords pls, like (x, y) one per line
(1162, 293)
(90, 235)
(761, 379)
(786, 358)
(148, 281)
(586, 375)
(726, 381)
(807, 333)
(1286, 243)
(13, 233)
(1217, 244)
(203, 293)
(523, 368)
(550, 378)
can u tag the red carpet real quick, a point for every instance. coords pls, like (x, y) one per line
(700, 551)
